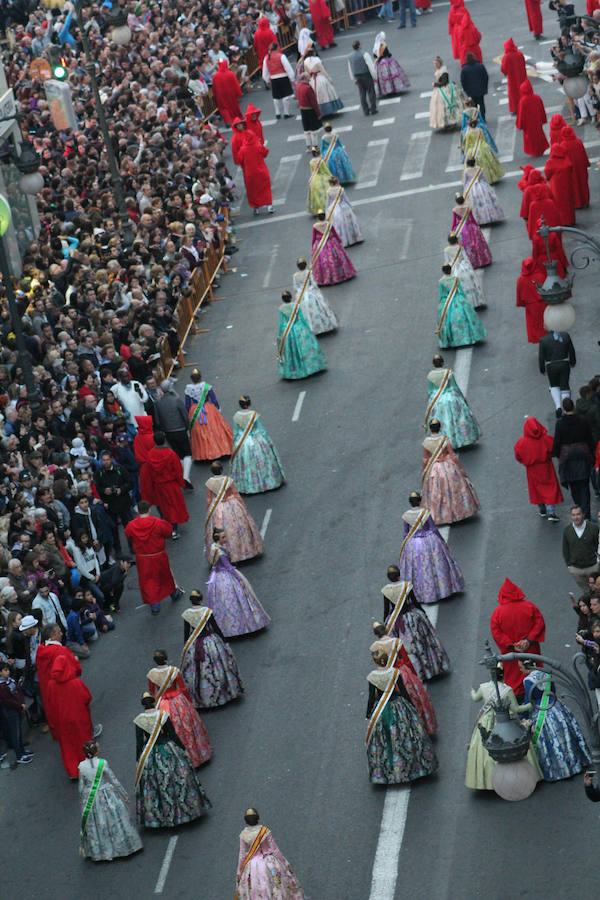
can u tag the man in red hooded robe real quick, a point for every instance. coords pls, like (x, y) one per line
(513, 66)
(70, 701)
(237, 139)
(577, 153)
(534, 451)
(321, 17)
(516, 625)
(143, 443)
(253, 122)
(263, 38)
(534, 17)
(147, 535)
(531, 117)
(540, 202)
(166, 473)
(256, 175)
(557, 123)
(560, 176)
(45, 657)
(557, 253)
(532, 275)
(469, 38)
(227, 91)
(455, 16)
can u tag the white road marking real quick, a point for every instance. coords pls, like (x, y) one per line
(295, 137)
(403, 236)
(455, 160)
(164, 869)
(352, 108)
(503, 101)
(462, 370)
(391, 832)
(387, 100)
(283, 178)
(506, 134)
(300, 137)
(415, 155)
(594, 143)
(422, 115)
(268, 122)
(424, 94)
(265, 524)
(379, 122)
(298, 406)
(269, 272)
(141, 606)
(371, 164)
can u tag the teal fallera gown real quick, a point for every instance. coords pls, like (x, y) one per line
(301, 355)
(256, 466)
(461, 325)
(458, 422)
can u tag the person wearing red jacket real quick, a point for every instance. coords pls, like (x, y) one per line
(534, 17)
(227, 91)
(531, 117)
(577, 153)
(534, 451)
(166, 475)
(560, 175)
(321, 18)
(516, 625)
(527, 296)
(143, 443)
(513, 66)
(310, 112)
(147, 535)
(263, 38)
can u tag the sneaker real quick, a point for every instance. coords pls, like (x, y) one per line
(154, 611)
(24, 760)
(175, 535)
(97, 730)
(542, 513)
(270, 210)
(178, 593)
(188, 484)
(553, 518)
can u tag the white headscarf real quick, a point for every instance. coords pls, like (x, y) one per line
(304, 41)
(379, 40)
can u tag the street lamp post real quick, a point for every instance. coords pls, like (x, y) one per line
(559, 315)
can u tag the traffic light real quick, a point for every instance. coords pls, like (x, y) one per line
(58, 62)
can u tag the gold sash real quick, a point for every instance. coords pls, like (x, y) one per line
(382, 704)
(249, 427)
(393, 655)
(434, 457)
(381, 52)
(255, 845)
(449, 300)
(473, 180)
(414, 528)
(161, 718)
(332, 144)
(195, 633)
(462, 222)
(315, 173)
(453, 263)
(405, 591)
(170, 677)
(437, 395)
(222, 491)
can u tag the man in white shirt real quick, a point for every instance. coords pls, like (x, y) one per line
(132, 396)
(363, 73)
(48, 604)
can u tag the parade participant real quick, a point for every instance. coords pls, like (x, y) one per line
(208, 666)
(226, 91)
(424, 558)
(445, 105)
(263, 870)
(534, 18)
(330, 264)
(398, 747)
(253, 123)
(561, 179)
(113, 485)
(474, 80)
(469, 234)
(574, 448)
(167, 790)
(447, 403)
(531, 117)
(327, 96)
(577, 153)
(476, 146)
(298, 352)
(305, 45)
(309, 112)
(455, 16)
(70, 704)
(317, 312)
(516, 625)
(210, 434)
(279, 75)
(317, 183)
(480, 195)
(393, 652)
(363, 73)
(143, 443)
(513, 66)
(537, 202)
(556, 356)
(237, 139)
(263, 38)
(480, 764)
(539, 250)
(339, 210)
(471, 111)
(447, 489)
(168, 689)
(580, 548)
(236, 608)
(170, 414)
(255, 463)
(166, 475)
(458, 323)
(457, 259)
(469, 38)
(147, 535)
(226, 509)
(106, 831)
(556, 736)
(390, 76)
(557, 124)
(256, 175)
(47, 651)
(335, 157)
(12, 708)
(534, 451)
(321, 19)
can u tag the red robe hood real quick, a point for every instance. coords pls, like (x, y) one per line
(63, 668)
(144, 424)
(237, 122)
(263, 25)
(252, 113)
(567, 134)
(510, 46)
(533, 429)
(510, 593)
(558, 150)
(525, 89)
(525, 182)
(223, 66)
(528, 266)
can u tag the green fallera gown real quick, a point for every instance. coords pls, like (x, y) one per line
(301, 355)
(461, 326)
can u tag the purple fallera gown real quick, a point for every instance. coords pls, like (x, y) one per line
(428, 563)
(235, 606)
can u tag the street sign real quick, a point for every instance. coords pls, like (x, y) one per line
(40, 69)
(4, 215)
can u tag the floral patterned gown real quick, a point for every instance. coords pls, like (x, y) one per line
(209, 668)
(255, 465)
(242, 537)
(109, 833)
(267, 875)
(314, 307)
(188, 725)
(229, 594)
(300, 354)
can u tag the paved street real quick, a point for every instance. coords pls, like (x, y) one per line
(294, 745)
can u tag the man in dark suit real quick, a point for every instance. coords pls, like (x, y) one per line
(474, 81)
(574, 448)
(556, 357)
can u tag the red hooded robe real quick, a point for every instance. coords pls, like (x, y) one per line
(237, 139)
(525, 179)
(263, 38)
(253, 122)
(530, 120)
(516, 619)
(455, 17)
(541, 203)
(557, 123)
(227, 90)
(581, 163)
(147, 535)
(166, 473)
(538, 250)
(534, 16)
(321, 17)
(561, 177)
(256, 175)
(469, 38)
(44, 660)
(70, 699)
(513, 66)
(532, 178)
(534, 451)
(528, 297)
(143, 443)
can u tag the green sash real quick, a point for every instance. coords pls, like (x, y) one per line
(90, 801)
(542, 715)
(200, 404)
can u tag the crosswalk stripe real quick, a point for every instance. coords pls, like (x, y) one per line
(503, 101)
(415, 156)
(379, 122)
(388, 100)
(506, 134)
(283, 178)
(455, 160)
(346, 109)
(371, 164)
(300, 137)
(425, 94)
(422, 115)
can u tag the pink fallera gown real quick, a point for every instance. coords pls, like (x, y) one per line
(242, 537)
(267, 875)
(333, 264)
(447, 489)
(471, 237)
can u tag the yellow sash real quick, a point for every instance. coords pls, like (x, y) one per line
(195, 633)
(434, 457)
(249, 427)
(415, 527)
(449, 300)
(170, 677)
(462, 222)
(255, 845)
(473, 180)
(315, 173)
(381, 52)
(332, 144)
(161, 718)
(381, 705)
(437, 395)
(222, 491)
(393, 655)
(405, 590)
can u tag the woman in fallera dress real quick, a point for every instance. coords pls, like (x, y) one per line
(167, 790)
(425, 559)
(391, 77)
(318, 183)
(106, 830)
(255, 463)
(392, 648)
(458, 323)
(330, 262)
(339, 211)
(263, 872)
(471, 111)
(210, 435)
(299, 354)
(447, 403)
(208, 666)
(457, 259)
(335, 157)
(168, 688)
(476, 146)
(480, 195)
(235, 606)
(405, 618)
(327, 96)
(316, 310)
(447, 489)
(226, 509)
(445, 105)
(469, 234)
